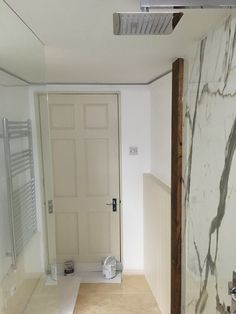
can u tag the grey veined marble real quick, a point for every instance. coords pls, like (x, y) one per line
(210, 172)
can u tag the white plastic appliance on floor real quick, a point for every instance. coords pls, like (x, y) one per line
(109, 267)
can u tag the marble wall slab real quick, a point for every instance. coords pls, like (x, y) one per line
(210, 173)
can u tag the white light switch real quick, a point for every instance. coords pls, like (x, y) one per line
(133, 150)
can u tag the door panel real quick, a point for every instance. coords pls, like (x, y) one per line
(99, 242)
(67, 234)
(97, 153)
(64, 165)
(85, 170)
(96, 116)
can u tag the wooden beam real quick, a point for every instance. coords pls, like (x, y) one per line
(176, 184)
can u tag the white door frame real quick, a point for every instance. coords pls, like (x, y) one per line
(47, 218)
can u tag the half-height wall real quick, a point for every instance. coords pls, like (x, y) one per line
(157, 234)
(157, 196)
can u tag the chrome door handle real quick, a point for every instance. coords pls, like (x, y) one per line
(50, 207)
(113, 204)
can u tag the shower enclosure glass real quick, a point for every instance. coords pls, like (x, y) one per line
(22, 257)
(27, 234)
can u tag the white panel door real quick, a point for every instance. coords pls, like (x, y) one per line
(85, 171)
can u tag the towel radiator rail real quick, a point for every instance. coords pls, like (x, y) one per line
(21, 196)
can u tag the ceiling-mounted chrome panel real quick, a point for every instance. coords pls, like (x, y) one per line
(187, 4)
(141, 23)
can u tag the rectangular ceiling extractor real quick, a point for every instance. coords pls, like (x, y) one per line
(144, 23)
(187, 4)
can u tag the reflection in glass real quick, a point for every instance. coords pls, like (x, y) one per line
(21, 63)
(21, 52)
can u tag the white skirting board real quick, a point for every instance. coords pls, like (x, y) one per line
(86, 267)
(96, 277)
(92, 273)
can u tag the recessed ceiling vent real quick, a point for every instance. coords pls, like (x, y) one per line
(144, 23)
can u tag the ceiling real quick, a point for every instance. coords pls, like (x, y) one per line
(81, 47)
(9, 80)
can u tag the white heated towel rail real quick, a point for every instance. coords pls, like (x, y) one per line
(18, 149)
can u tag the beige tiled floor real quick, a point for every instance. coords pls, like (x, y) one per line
(132, 296)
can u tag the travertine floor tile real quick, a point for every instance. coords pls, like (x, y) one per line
(133, 296)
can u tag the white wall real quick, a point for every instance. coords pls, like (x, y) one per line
(135, 131)
(157, 198)
(157, 240)
(137, 119)
(161, 92)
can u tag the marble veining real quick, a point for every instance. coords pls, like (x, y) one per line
(209, 178)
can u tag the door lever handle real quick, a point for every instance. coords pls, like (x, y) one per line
(50, 207)
(113, 204)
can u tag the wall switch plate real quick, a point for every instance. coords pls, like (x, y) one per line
(133, 150)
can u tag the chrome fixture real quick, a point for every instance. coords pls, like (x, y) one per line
(232, 293)
(20, 184)
(187, 4)
(113, 204)
(144, 23)
(159, 23)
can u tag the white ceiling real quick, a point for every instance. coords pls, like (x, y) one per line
(81, 47)
(9, 80)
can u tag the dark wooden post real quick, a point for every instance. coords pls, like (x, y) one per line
(176, 184)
